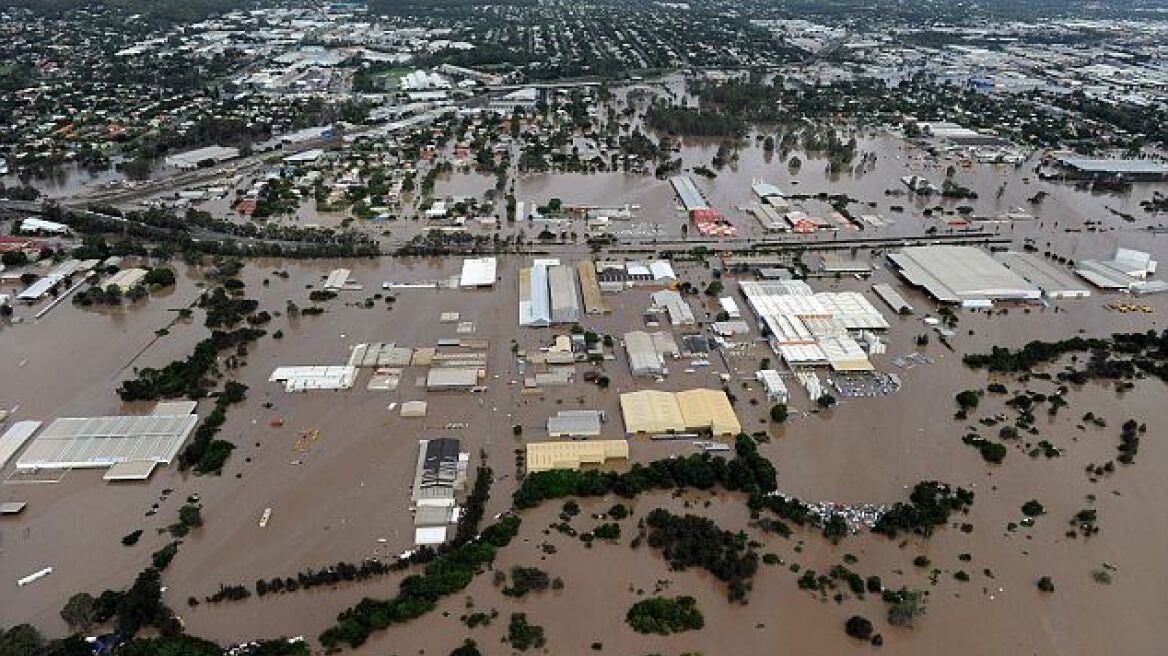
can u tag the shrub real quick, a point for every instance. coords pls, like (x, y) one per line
(858, 627)
(662, 615)
(1032, 508)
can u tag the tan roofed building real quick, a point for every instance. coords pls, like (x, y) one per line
(651, 411)
(546, 456)
(708, 409)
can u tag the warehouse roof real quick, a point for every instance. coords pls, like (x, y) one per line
(14, 438)
(452, 377)
(478, 272)
(1052, 280)
(590, 288)
(105, 441)
(134, 470)
(708, 409)
(958, 274)
(581, 423)
(651, 411)
(545, 456)
(1130, 166)
(690, 197)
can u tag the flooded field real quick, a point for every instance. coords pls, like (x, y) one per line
(347, 496)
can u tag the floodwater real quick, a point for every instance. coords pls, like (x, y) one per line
(347, 498)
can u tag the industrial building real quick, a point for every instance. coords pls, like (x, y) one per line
(546, 456)
(478, 272)
(776, 389)
(305, 378)
(564, 295)
(14, 438)
(1054, 282)
(647, 352)
(575, 423)
(687, 192)
(963, 275)
(810, 329)
(892, 298)
(1127, 271)
(440, 472)
(652, 411)
(590, 288)
(548, 294)
(193, 159)
(452, 378)
(439, 475)
(338, 280)
(675, 305)
(520, 99)
(43, 227)
(98, 442)
(1127, 169)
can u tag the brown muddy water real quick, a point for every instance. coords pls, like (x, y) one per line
(348, 497)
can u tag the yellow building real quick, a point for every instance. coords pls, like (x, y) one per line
(652, 411)
(545, 456)
(707, 409)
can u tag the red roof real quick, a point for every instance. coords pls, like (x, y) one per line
(12, 243)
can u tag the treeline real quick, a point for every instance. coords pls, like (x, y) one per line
(688, 122)
(748, 472)
(930, 505)
(176, 234)
(419, 594)
(693, 541)
(187, 377)
(204, 453)
(1148, 351)
(473, 509)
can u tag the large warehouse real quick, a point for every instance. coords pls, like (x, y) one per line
(478, 272)
(653, 411)
(810, 329)
(1054, 282)
(548, 294)
(545, 456)
(962, 274)
(98, 442)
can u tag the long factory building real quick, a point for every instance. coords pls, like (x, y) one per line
(814, 329)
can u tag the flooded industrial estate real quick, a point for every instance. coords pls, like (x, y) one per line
(345, 497)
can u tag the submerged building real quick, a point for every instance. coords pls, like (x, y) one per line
(962, 275)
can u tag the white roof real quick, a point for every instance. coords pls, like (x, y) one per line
(413, 409)
(574, 422)
(429, 535)
(301, 378)
(337, 279)
(134, 470)
(105, 441)
(956, 274)
(662, 270)
(14, 438)
(40, 225)
(478, 272)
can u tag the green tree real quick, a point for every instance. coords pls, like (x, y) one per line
(78, 612)
(779, 413)
(21, 640)
(858, 627)
(967, 400)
